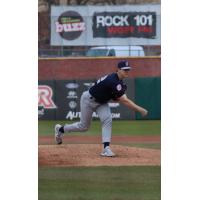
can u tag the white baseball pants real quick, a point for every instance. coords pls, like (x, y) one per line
(88, 106)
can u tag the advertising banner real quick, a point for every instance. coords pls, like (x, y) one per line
(46, 100)
(124, 24)
(60, 100)
(105, 25)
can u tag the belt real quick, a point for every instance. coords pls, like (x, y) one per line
(91, 97)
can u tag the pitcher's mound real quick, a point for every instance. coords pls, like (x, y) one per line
(89, 155)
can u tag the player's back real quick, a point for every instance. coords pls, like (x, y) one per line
(102, 91)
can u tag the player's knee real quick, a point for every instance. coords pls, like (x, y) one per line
(110, 119)
(107, 120)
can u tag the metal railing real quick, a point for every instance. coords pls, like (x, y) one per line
(76, 52)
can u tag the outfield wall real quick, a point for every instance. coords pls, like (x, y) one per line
(62, 81)
(87, 68)
(60, 99)
(148, 95)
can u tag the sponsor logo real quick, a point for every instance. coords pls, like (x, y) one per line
(45, 95)
(72, 95)
(70, 25)
(112, 20)
(75, 115)
(113, 105)
(116, 115)
(72, 104)
(124, 24)
(40, 111)
(88, 85)
(72, 85)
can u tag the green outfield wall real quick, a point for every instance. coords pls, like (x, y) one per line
(60, 99)
(148, 95)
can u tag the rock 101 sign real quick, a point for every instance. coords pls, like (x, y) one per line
(124, 24)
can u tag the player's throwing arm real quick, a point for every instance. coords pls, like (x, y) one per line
(127, 102)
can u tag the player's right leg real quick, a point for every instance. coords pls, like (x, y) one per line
(106, 120)
(85, 118)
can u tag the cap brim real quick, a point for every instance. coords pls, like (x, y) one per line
(128, 67)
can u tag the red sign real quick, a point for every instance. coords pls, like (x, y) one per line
(45, 95)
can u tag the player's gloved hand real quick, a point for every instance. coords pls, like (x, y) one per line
(143, 112)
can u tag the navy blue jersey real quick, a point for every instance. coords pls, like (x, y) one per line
(108, 88)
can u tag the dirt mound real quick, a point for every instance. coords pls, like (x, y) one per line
(85, 139)
(89, 155)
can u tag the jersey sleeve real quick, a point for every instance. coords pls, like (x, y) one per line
(118, 90)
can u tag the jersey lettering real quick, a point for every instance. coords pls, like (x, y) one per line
(101, 79)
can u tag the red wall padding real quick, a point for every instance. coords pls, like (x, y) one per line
(84, 68)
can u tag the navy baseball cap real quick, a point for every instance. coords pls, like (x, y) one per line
(124, 65)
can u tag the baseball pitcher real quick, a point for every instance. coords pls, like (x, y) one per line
(109, 87)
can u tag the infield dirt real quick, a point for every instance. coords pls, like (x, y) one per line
(89, 154)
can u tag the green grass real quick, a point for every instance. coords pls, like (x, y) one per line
(100, 183)
(135, 127)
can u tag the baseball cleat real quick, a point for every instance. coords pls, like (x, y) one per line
(107, 152)
(58, 134)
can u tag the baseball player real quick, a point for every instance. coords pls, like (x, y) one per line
(109, 87)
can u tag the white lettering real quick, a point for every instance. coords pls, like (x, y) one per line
(67, 27)
(112, 21)
(101, 79)
(108, 21)
(72, 85)
(113, 105)
(70, 27)
(116, 20)
(59, 28)
(100, 20)
(116, 115)
(75, 115)
(124, 19)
